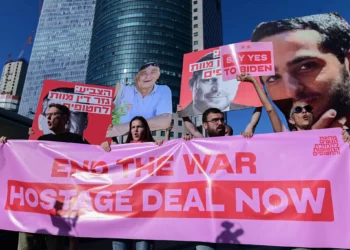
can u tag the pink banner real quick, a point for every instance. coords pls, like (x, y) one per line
(254, 58)
(286, 189)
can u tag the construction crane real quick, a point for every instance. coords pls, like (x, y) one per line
(29, 41)
(31, 36)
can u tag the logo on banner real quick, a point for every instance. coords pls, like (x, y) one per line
(328, 145)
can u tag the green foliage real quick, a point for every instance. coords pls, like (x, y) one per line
(119, 112)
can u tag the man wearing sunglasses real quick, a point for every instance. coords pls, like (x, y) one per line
(144, 98)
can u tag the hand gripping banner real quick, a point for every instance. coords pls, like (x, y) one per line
(286, 189)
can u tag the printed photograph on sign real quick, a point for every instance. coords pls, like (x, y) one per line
(203, 86)
(143, 98)
(311, 57)
(90, 109)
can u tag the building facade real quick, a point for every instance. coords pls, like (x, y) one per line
(127, 34)
(61, 48)
(11, 84)
(206, 24)
(207, 33)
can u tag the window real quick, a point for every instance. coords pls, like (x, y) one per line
(171, 134)
(162, 133)
(195, 42)
(195, 18)
(195, 10)
(195, 2)
(154, 133)
(179, 123)
(195, 34)
(195, 26)
(179, 135)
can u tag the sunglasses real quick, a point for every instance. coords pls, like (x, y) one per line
(299, 109)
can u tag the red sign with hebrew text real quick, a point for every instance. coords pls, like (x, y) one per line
(90, 106)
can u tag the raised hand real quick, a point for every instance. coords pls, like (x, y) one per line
(245, 77)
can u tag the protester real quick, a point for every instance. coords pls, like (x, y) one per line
(191, 128)
(77, 123)
(57, 117)
(146, 98)
(311, 57)
(139, 132)
(214, 124)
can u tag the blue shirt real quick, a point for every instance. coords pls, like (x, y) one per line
(130, 103)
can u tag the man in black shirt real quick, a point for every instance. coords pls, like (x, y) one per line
(57, 117)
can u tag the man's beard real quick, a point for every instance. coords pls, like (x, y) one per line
(340, 94)
(215, 133)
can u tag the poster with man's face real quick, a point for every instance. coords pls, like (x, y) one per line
(203, 86)
(90, 109)
(311, 56)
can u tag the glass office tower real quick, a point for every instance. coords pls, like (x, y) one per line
(61, 48)
(127, 34)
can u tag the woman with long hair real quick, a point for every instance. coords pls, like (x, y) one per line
(139, 132)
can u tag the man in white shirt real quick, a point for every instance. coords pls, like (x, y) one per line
(144, 98)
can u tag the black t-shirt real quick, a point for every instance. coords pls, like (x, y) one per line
(64, 137)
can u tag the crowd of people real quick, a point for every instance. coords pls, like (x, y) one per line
(301, 117)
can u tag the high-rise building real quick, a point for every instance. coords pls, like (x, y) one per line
(11, 84)
(207, 33)
(60, 49)
(206, 24)
(127, 34)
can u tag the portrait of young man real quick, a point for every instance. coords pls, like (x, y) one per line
(311, 56)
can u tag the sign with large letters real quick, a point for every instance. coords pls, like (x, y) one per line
(289, 188)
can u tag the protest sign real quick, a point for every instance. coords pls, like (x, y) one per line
(288, 188)
(311, 55)
(203, 85)
(131, 100)
(90, 107)
(253, 58)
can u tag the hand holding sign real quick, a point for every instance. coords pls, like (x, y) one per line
(244, 77)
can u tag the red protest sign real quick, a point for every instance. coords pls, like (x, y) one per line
(203, 86)
(90, 106)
